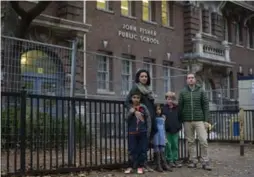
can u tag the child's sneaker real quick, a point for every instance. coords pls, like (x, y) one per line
(128, 171)
(140, 171)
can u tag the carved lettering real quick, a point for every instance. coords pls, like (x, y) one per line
(146, 35)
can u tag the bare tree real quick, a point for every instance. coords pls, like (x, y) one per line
(16, 22)
(15, 16)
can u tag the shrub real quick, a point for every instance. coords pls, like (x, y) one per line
(41, 129)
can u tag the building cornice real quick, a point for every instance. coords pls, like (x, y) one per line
(61, 24)
(244, 4)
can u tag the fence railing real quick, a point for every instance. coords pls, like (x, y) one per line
(42, 134)
(225, 126)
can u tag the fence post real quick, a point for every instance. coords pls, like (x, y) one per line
(241, 126)
(23, 131)
(72, 94)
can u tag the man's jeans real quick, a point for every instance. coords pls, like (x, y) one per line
(189, 133)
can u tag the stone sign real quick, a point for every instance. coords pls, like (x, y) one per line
(142, 34)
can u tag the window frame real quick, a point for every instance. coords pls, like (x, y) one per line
(130, 10)
(249, 36)
(106, 5)
(237, 34)
(169, 13)
(127, 58)
(209, 93)
(150, 69)
(107, 72)
(167, 78)
(228, 30)
(149, 6)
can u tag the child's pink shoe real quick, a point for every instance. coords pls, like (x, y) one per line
(140, 171)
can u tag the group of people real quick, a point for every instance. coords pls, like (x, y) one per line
(159, 126)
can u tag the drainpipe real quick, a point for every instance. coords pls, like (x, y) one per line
(84, 49)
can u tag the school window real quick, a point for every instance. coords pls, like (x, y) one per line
(148, 10)
(128, 8)
(250, 38)
(126, 73)
(104, 72)
(229, 30)
(208, 89)
(166, 78)
(148, 65)
(167, 13)
(103, 4)
(238, 33)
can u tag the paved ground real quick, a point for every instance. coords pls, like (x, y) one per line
(226, 162)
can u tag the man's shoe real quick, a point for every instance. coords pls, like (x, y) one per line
(192, 165)
(172, 164)
(177, 164)
(206, 166)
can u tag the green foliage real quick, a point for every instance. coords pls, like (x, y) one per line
(41, 129)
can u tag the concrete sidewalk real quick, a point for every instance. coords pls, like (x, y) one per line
(226, 162)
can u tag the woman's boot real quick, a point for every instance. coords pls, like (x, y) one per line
(164, 164)
(158, 162)
(154, 158)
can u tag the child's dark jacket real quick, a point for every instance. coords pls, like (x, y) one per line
(143, 126)
(173, 123)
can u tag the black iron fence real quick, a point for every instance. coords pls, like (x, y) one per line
(50, 134)
(47, 134)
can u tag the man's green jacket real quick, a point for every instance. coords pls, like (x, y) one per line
(193, 104)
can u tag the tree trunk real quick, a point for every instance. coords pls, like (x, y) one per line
(11, 50)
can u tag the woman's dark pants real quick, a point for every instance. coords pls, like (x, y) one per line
(137, 147)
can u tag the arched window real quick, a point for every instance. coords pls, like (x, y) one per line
(36, 61)
(41, 73)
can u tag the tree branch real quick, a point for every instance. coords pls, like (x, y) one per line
(37, 10)
(19, 10)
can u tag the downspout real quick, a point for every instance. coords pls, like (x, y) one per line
(84, 49)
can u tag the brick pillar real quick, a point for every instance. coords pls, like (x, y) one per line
(70, 10)
(191, 26)
(217, 25)
(205, 21)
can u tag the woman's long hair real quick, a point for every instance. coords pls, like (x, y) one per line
(138, 74)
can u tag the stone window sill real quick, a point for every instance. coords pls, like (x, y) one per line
(105, 10)
(168, 27)
(129, 17)
(150, 22)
